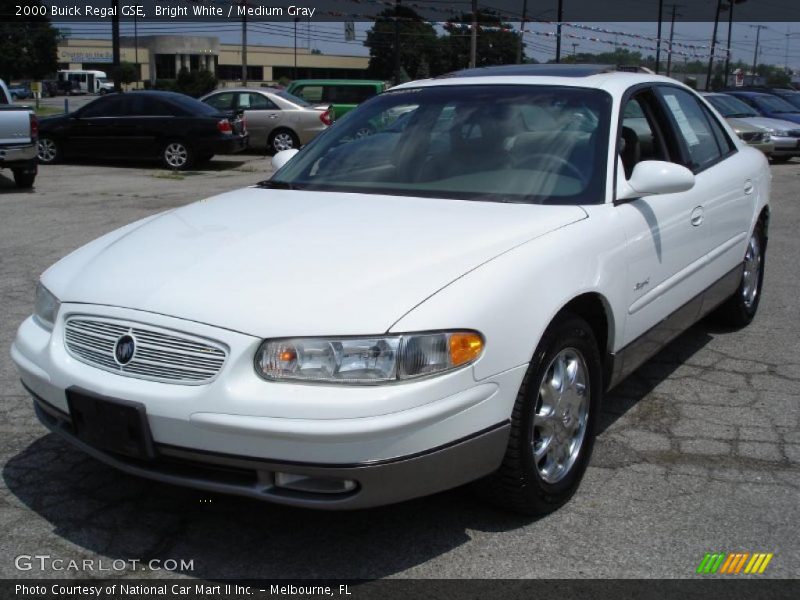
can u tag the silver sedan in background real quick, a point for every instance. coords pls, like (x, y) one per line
(276, 120)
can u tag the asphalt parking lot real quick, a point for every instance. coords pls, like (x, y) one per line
(699, 450)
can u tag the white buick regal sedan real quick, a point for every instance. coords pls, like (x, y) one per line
(445, 301)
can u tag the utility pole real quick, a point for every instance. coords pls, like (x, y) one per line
(786, 59)
(296, 19)
(658, 36)
(574, 49)
(397, 42)
(713, 46)
(728, 45)
(755, 54)
(522, 32)
(671, 37)
(244, 45)
(115, 45)
(473, 39)
(558, 30)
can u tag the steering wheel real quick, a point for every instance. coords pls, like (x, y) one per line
(562, 163)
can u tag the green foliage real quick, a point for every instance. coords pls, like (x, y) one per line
(29, 47)
(494, 46)
(127, 73)
(195, 83)
(419, 44)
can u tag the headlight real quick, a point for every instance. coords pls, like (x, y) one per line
(367, 360)
(46, 307)
(779, 132)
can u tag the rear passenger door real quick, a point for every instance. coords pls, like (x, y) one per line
(261, 114)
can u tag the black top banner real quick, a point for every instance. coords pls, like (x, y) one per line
(508, 11)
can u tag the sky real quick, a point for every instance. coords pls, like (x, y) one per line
(779, 43)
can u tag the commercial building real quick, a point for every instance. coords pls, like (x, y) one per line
(163, 56)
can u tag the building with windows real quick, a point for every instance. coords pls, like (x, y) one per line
(163, 56)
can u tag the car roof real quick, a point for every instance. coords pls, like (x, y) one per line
(269, 90)
(370, 82)
(748, 93)
(609, 78)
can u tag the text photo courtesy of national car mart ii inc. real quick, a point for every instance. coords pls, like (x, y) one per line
(191, 590)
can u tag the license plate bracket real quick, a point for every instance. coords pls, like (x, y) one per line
(110, 424)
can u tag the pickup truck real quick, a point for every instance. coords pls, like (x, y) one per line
(19, 132)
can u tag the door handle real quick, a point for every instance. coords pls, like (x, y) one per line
(697, 216)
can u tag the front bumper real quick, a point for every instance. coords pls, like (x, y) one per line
(785, 146)
(396, 441)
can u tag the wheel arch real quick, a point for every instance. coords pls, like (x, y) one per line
(594, 308)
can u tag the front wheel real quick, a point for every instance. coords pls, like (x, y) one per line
(740, 309)
(176, 155)
(283, 139)
(553, 424)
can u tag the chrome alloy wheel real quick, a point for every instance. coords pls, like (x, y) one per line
(752, 271)
(47, 150)
(561, 415)
(282, 141)
(176, 155)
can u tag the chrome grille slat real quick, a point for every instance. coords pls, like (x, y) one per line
(161, 355)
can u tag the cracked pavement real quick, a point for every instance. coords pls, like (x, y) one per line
(699, 450)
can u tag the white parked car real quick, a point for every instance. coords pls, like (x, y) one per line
(352, 333)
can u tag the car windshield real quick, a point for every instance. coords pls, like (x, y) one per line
(504, 143)
(192, 106)
(775, 104)
(291, 98)
(730, 107)
(792, 98)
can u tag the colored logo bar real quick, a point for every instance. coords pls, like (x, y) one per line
(734, 563)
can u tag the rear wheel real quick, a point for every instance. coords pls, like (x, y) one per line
(553, 424)
(740, 309)
(49, 151)
(283, 139)
(176, 155)
(24, 178)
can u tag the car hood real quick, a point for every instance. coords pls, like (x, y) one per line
(767, 122)
(742, 126)
(284, 263)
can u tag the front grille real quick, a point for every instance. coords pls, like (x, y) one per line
(160, 355)
(754, 136)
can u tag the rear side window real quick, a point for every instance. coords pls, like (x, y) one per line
(254, 101)
(309, 93)
(704, 140)
(348, 94)
(222, 101)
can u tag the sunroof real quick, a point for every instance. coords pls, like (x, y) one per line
(550, 70)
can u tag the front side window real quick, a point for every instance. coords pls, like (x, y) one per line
(693, 125)
(505, 143)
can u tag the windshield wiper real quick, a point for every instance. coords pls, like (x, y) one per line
(275, 185)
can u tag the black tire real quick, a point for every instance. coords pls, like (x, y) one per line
(49, 150)
(24, 178)
(518, 484)
(740, 309)
(281, 138)
(177, 155)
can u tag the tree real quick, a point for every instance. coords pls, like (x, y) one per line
(418, 45)
(497, 43)
(128, 73)
(28, 45)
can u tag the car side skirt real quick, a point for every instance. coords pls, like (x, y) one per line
(632, 356)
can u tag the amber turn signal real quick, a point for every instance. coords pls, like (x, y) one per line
(465, 347)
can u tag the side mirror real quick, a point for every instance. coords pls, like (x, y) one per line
(282, 157)
(652, 177)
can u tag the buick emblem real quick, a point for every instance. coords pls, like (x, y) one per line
(124, 350)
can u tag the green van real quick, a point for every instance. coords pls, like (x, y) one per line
(342, 95)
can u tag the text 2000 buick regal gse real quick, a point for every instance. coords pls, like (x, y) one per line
(441, 302)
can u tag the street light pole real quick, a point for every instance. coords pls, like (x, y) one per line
(755, 54)
(713, 46)
(728, 44)
(522, 31)
(115, 45)
(473, 38)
